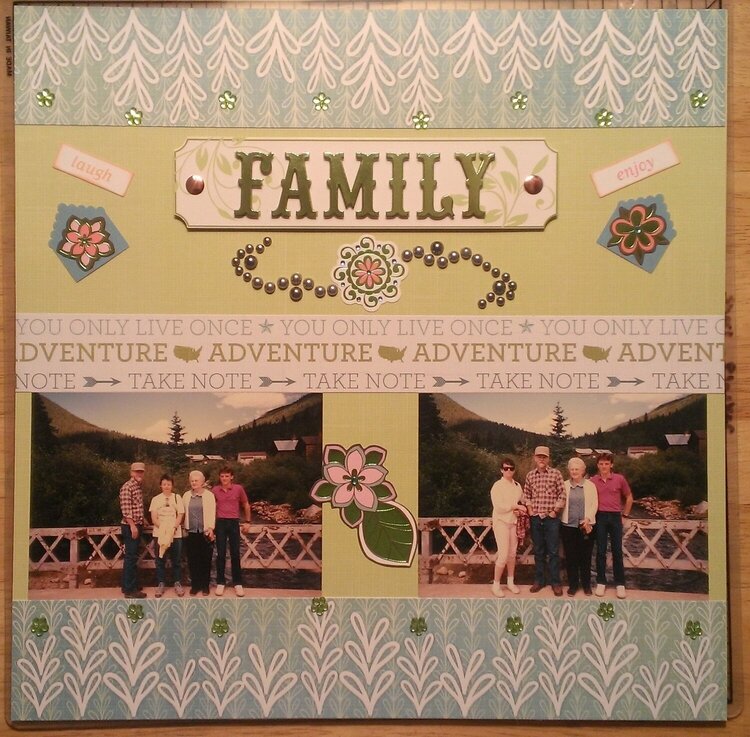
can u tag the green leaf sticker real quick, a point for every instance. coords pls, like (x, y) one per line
(336, 456)
(389, 535)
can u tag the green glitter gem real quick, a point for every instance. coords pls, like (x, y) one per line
(604, 118)
(519, 100)
(699, 99)
(606, 611)
(421, 120)
(45, 98)
(227, 100)
(321, 101)
(319, 606)
(418, 626)
(514, 626)
(693, 629)
(134, 116)
(135, 612)
(39, 626)
(220, 627)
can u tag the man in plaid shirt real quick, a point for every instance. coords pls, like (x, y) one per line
(544, 497)
(131, 506)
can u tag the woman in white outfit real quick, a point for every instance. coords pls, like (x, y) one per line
(506, 496)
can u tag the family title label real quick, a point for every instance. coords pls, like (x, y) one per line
(340, 184)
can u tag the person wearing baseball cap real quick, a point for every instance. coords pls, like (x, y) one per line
(544, 497)
(131, 507)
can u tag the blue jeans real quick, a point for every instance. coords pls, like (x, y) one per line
(175, 553)
(130, 559)
(228, 531)
(609, 524)
(545, 533)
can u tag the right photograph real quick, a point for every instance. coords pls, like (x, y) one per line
(563, 495)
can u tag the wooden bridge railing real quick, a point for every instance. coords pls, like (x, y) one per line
(75, 550)
(647, 543)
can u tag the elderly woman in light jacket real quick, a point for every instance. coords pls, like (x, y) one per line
(578, 518)
(200, 521)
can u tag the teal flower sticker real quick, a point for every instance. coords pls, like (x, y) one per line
(514, 626)
(369, 273)
(319, 605)
(699, 99)
(135, 612)
(321, 102)
(693, 629)
(45, 98)
(606, 611)
(421, 120)
(220, 627)
(134, 116)
(518, 101)
(227, 100)
(418, 626)
(39, 626)
(604, 118)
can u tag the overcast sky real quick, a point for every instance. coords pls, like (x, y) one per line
(148, 415)
(585, 412)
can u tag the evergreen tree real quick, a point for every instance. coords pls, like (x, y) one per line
(174, 457)
(560, 440)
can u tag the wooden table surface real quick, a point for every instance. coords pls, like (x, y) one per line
(738, 399)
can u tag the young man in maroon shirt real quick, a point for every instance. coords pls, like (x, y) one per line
(615, 501)
(230, 499)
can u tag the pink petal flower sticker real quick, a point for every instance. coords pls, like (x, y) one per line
(86, 241)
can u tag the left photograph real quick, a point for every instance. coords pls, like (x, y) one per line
(174, 495)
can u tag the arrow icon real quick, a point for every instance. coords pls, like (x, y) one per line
(614, 381)
(440, 381)
(91, 381)
(267, 381)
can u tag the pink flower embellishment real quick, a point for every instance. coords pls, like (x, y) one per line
(368, 272)
(637, 231)
(85, 241)
(353, 481)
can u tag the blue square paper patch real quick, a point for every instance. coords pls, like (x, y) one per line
(85, 239)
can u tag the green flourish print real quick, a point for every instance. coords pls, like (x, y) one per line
(514, 626)
(319, 605)
(39, 626)
(606, 611)
(418, 626)
(369, 273)
(220, 627)
(135, 612)
(693, 630)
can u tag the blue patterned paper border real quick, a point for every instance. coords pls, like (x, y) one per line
(369, 658)
(216, 67)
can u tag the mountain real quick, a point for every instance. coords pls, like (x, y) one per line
(663, 410)
(452, 413)
(66, 423)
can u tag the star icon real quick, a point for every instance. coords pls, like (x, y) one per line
(526, 326)
(265, 326)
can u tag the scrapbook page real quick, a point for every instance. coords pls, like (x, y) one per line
(369, 363)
